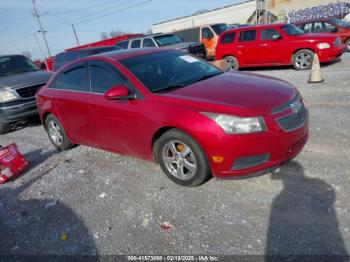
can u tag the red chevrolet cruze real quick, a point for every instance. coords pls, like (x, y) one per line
(190, 117)
(275, 45)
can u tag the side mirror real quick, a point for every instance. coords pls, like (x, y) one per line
(277, 37)
(118, 92)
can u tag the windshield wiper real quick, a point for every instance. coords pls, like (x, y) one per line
(168, 88)
(207, 76)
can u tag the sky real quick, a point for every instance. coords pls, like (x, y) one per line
(90, 17)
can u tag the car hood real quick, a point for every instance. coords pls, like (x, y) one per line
(245, 92)
(24, 79)
(182, 45)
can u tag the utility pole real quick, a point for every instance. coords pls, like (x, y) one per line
(36, 14)
(75, 33)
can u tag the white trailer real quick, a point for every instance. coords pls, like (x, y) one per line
(232, 14)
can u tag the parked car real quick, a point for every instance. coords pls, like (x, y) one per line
(206, 34)
(334, 26)
(161, 104)
(68, 56)
(20, 79)
(274, 45)
(164, 40)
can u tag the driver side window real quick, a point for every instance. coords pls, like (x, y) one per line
(103, 77)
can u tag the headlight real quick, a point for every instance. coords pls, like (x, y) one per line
(323, 45)
(6, 96)
(238, 125)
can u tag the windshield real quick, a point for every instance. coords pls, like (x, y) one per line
(219, 28)
(341, 23)
(166, 71)
(164, 40)
(10, 65)
(292, 30)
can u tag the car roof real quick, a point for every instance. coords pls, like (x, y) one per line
(251, 27)
(89, 49)
(12, 55)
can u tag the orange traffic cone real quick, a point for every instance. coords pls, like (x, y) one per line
(315, 73)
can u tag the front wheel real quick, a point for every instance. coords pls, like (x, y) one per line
(56, 133)
(181, 159)
(302, 60)
(4, 128)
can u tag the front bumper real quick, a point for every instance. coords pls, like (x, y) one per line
(252, 153)
(330, 54)
(18, 110)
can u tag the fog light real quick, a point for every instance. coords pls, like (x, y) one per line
(218, 159)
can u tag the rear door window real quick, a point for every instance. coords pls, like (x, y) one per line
(74, 78)
(323, 27)
(104, 76)
(228, 38)
(136, 43)
(247, 36)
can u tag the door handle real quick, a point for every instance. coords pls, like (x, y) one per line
(263, 45)
(239, 46)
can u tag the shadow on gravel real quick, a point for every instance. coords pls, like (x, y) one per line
(37, 157)
(303, 220)
(41, 227)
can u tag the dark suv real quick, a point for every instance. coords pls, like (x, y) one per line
(165, 40)
(68, 56)
(20, 79)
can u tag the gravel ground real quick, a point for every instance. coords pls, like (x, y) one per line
(87, 201)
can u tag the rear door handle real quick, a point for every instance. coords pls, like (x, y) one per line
(239, 46)
(263, 45)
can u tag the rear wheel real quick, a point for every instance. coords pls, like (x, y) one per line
(181, 159)
(56, 133)
(4, 128)
(232, 63)
(302, 60)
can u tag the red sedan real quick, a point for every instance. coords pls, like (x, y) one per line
(193, 119)
(275, 45)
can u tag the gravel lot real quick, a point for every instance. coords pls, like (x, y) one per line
(87, 201)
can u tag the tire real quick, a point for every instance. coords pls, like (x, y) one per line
(4, 128)
(57, 134)
(347, 43)
(302, 60)
(182, 159)
(232, 63)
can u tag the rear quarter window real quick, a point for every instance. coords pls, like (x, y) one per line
(228, 38)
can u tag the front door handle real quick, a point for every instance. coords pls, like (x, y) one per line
(263, 45)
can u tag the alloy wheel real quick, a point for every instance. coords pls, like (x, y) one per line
(231, 64)
(179, 160)
(303, 60)
(55, 133)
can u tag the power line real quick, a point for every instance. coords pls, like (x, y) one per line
(104, 15)
(84, 16)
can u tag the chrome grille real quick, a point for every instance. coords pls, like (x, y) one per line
(294, 120)
(29, 91)
(285, 106)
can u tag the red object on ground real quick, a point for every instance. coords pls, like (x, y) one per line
(12, 163)
(105, 42)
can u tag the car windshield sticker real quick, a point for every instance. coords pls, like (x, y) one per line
(189, 59)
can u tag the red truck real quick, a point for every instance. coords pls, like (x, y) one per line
(275, 45)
